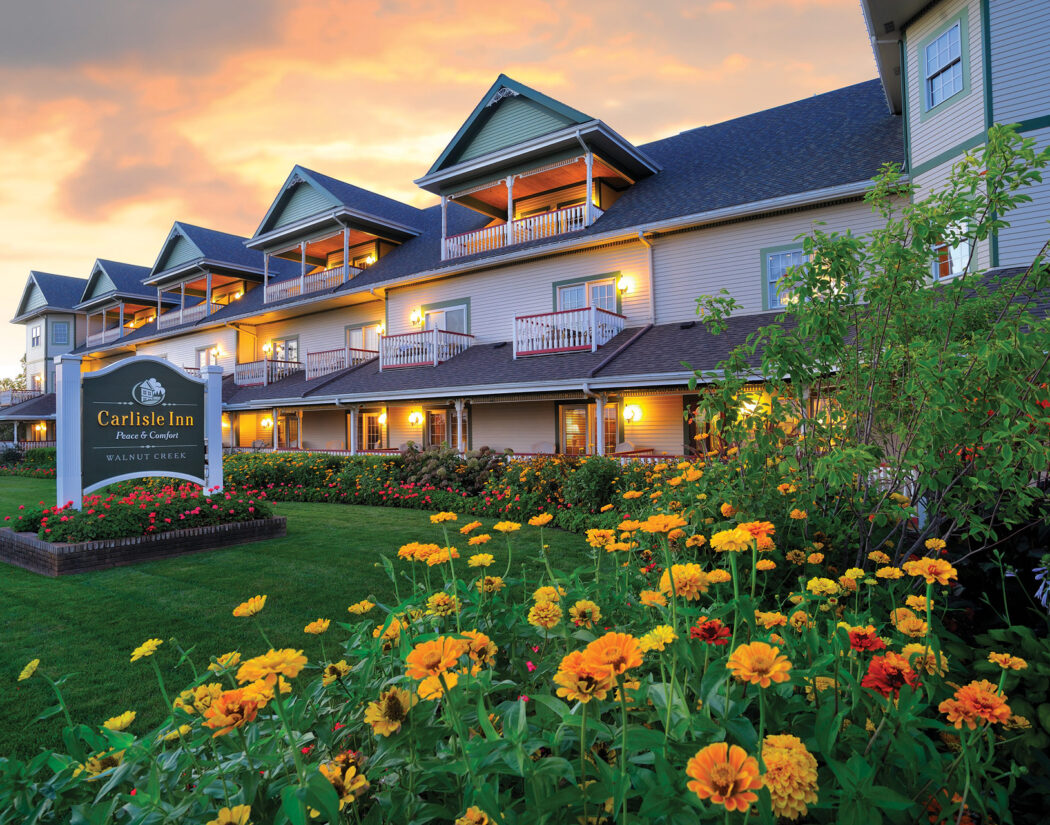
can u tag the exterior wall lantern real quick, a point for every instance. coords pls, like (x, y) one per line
(415, 418)
(632, 413)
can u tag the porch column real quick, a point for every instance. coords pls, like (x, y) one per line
(16, 423)
(158, 308)
(444, 226)
(266, 275)
(120, 329)
(510, 209)
(346, 254)
(302, 266)
(207, 293)
(459, 426)
(355, 416)
(182, 301)
(299, 420)
(274, 428)
(587, 207)
(599, 424)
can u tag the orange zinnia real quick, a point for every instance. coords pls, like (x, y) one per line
(933, 570)
(759, 663)
(689, 581)
(977, 700)
(726, 775)
(435, 657)
(758, 529)
(579, 680)
(232, 709)
(615, 652)
(661, 523)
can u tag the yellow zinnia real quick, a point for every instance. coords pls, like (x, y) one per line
(147, 648)
(250, 607)
(28, 670)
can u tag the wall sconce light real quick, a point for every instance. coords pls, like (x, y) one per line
(226, 424)
(238, 295)
(382, 419)
(417, 316)
(381, 329)
(415, 418)
(267, 348)
(41, 428)
(624, 285)
(267, 422)
(215, 351)
(371, 259)
(632, 413)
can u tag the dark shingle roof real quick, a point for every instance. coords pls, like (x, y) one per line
(43, 406)
(61, 291)
(127, 278)
(222, 247)
(362, 200)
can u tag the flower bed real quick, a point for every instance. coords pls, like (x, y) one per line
(676, 678)
(139, 511)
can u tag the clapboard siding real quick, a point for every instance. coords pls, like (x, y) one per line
(34, 300)
(524, 427)
(497, 296)
(249, 430)
(304, 200)
(321, 331)
(102, 284)
(181, 250)
(399, 430)
(728, 257)
(961, 119)
(660, 429)
(1028, 230)
(515, 120)
(324, 430)
(182, 350)
(1020, 33)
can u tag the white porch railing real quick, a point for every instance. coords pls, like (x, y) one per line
(534, 227)
(175, 317)
(418, 349)
(570, 330)
(254, 373)
(104, 337)
(9, 398)
(328, 361)
(305, 284)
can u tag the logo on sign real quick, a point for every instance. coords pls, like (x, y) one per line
(149, 392)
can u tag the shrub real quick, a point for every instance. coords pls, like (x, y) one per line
(12, 455)
(41, 456)
(444, 468)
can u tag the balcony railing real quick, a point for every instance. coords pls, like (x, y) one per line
(427, 348)
(104, 337)
(305, 284)
(261, 373)
(9, 398)
(534, 227)
(187, 315)
(333, 360)
(571, 330)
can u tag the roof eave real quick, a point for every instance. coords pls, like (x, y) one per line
(337, 215)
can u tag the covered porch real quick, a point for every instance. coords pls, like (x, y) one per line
(324, 262)
(197, 296)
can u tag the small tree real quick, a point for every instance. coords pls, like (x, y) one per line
(903, 409)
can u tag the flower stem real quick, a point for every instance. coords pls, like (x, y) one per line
(583, 760)
(160, 681)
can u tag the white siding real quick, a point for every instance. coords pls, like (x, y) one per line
(961, 119)
(324, 430)
(320, 331)
(661, 426)
(181, 350)
(498, 295)
(728, 257)
(399, 430)
(1028, 230)
(522, 427)
(1020, 59)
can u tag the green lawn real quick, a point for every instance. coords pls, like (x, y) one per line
(88, 624)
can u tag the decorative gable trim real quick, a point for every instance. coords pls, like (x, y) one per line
(504, 92)
(299, 197)
(177, 249)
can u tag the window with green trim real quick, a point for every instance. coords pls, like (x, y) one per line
(944, 68)
(776, 266)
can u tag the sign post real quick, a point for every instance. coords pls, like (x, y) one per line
(136, 418)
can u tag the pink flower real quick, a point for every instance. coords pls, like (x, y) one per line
(530, 666)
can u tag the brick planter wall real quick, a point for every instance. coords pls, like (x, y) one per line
(27, 551)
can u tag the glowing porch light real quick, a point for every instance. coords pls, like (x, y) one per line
(371, 259)
(415, 418)
(625, 285)
(382, 419)
(266, 422)
(632, 413)
(267, 347)
(417, 316)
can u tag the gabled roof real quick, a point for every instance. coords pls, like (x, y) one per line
(306, 193)
(509, 112)
(46, 292)
(113, 279)
(187, 244)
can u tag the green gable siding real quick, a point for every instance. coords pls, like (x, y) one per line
(179, 252)
(515, 120)
(304, 200)
(102, 284)
(34, 300)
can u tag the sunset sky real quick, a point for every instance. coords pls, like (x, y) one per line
(118, 117)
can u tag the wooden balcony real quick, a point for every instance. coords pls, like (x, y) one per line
(186, 315)
(261, 373)
(94, 339)
(534, 227)
(306, 284)
(333, 360)
(570, 330)
(426, 348)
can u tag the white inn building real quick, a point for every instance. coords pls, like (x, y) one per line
(546, 304)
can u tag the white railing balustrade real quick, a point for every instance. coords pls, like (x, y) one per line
(266, 371)
(429, 347)
(333, 360)
(306, 284)
(9, 398)
(534, 227)
(570, 330)
(176, 317)
(104, 337)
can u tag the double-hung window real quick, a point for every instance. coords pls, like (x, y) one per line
(944, 66)
(451, 318)
(363, 338)
(600, 294)
(776, 266)
(34, 335)
(207, 357)
(950, 260)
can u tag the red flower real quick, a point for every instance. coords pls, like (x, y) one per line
(710, 631)
(888, 674)
(865, 640)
